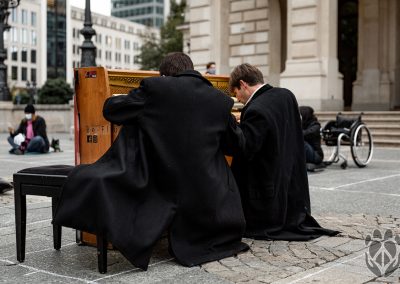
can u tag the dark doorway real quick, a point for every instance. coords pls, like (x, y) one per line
(347, 47)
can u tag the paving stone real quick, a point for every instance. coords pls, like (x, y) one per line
(333, 242)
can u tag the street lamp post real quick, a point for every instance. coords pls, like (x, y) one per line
(4, 26)
(88, 48)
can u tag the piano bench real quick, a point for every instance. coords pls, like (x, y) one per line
(44, 181)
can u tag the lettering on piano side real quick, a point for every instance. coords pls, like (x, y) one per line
(93, 132)
(91, 74)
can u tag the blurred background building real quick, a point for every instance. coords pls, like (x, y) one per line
(146, 12)
(44, 41)
(334, 54)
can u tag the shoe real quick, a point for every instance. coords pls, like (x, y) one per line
(5, 186)
(315, 167)
(18, 152)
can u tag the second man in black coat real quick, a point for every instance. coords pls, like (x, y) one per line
(270, 166)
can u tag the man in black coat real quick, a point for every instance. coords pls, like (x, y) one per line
(33, 129)
(165, 171)
(270, 166)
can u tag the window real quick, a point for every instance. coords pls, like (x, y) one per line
(24, 55)
(127, 58)
(33, 19)
(108, 40)
(24, 17)
(99, 53)
(127, 44)
(118, 57)
(14, 53)
(73, 49)
(24, 36)
(118, 43)
(33, 38)
(33, 56)
(14, 15)
(99, 38)
(14, 73)
(73, 33)
(136, 60)
(24, 73)
(14, 34)
(33, 74)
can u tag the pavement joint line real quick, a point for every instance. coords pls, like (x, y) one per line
(30, 273)
(368, 180)
(42, 250)
(45, 271)
(385, 161)
(33, 162)
(354, 191)
(333, 264)
(32, 223)
(133, 269)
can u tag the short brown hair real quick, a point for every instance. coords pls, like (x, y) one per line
(174, 63)
(246, 72)
(209, 64)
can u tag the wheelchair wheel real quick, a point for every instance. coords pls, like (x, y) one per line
(361, 145)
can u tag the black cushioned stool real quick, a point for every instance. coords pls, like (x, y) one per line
(44, 181)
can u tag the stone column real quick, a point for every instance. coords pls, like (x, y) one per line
(312, 67)
(377, 54)
(250, 36)
(209, 34)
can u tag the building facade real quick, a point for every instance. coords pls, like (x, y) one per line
(44, 42)
(26, 51)
(118, 41)
(334, 55)
(146, 12)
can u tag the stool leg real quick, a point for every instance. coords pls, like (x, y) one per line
(102, 253)
(56, 228)
(20, 220)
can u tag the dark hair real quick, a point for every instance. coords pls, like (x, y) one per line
(29, 109)
(209, 64)
(174, 63)
(246, 72)
(307, 115)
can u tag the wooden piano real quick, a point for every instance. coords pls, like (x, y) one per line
(93, 134)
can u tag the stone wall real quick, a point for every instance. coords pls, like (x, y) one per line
(59, 118)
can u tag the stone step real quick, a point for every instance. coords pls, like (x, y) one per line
(378, 142)
(384, 125)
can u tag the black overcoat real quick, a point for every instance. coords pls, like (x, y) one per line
(166, 170)
(271, 171)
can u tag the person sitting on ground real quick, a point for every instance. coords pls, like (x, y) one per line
(312, 137)
(32, 134)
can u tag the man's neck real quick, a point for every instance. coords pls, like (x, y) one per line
(253, 90)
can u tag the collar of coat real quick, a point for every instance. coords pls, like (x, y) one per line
(263, 89)
(193, 73)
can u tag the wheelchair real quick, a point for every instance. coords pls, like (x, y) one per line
(348, 131)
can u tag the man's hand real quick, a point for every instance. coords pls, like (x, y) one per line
(10, 129)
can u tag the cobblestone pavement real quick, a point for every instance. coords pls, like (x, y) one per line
(338, 196)
(309, 262)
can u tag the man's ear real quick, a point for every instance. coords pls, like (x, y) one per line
(242, 84)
